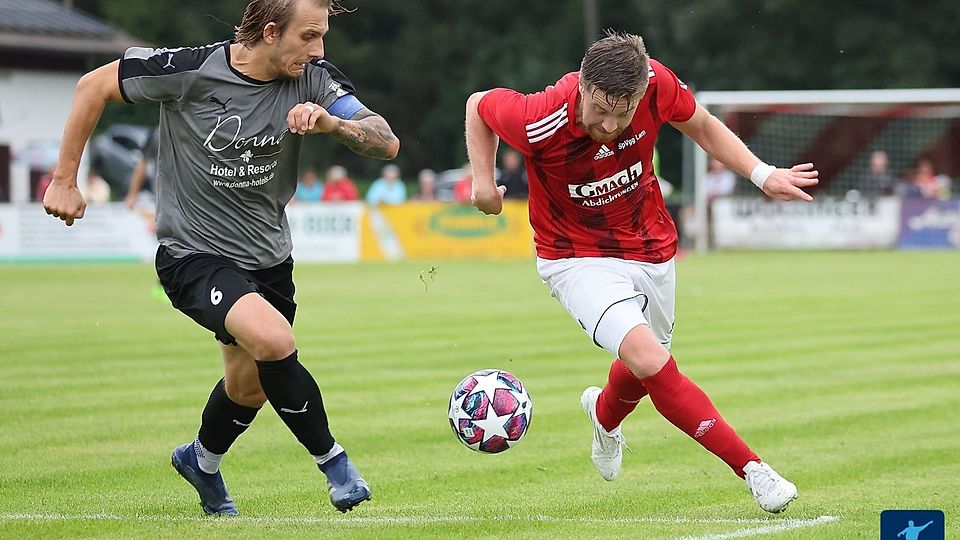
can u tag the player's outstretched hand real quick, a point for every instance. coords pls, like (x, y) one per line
(487, 201)
(64, 201)
(786, 184)
(309, 117)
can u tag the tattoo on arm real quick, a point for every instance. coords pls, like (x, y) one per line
(367, 134)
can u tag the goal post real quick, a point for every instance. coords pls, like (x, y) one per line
(838, 130)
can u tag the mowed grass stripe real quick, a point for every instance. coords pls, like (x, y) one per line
(840, 368)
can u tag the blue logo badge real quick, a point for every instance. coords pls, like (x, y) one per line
(911, 525)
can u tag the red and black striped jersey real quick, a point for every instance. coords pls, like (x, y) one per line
(592, 199)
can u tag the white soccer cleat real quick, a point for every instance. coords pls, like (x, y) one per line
(607, 448)
(772, 491)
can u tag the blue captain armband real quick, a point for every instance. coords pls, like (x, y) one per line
(345, 107)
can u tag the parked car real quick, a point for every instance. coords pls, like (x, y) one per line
(114, 155)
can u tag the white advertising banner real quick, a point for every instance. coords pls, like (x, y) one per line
(326, 232)
(825, 223)
(106, 232)
(111, 232)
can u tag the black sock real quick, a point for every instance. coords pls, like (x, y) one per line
(223, 420)
(295, 396)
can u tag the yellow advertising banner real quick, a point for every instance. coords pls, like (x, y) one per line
(442, 230)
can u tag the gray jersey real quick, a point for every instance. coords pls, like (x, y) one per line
(228, 163)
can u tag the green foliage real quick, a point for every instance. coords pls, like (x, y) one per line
(416, 62)
(838, 368)
(800, 44)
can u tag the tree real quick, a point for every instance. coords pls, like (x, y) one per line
(416, 62)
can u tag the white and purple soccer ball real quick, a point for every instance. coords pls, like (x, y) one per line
(490, 411)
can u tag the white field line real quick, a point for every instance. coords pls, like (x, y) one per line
(768, 525)
(781, 526)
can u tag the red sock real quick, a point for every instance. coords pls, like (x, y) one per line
(620, 396)
(685, 405)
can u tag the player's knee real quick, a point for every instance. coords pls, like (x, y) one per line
(642, 353)
(273, 344)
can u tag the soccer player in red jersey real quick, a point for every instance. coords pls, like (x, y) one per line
(605, 242)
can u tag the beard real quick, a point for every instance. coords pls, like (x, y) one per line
(286, 73)
(599, 135)
(282, 69)
(596, 132)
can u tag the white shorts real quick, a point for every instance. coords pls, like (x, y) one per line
(609, 297)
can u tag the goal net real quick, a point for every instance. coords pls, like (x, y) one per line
(864, 143)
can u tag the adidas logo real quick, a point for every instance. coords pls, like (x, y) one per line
(603, 152)
(704, 428)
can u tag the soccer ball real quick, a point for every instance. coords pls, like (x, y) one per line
(490, 411)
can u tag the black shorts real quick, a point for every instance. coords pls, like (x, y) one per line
(204, 287)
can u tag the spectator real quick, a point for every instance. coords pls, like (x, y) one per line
(514, 176)
(146, 167)
(95, 190)
(339, 186)
(719, 180)
(877, 180)
(463, 189)
(309, 188)
(388, 189)
(43, 184)
(924, 183)
(428, 181)
(145, 201)
(666, 188)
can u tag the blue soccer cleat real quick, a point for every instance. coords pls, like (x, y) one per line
(214, 498)
(347, 489)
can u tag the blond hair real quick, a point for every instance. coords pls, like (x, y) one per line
(259, 13)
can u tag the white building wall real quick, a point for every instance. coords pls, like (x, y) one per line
(33, 110)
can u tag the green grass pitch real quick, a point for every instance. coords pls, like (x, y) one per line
(840, 369)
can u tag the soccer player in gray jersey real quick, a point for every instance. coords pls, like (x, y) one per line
(231, 124)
